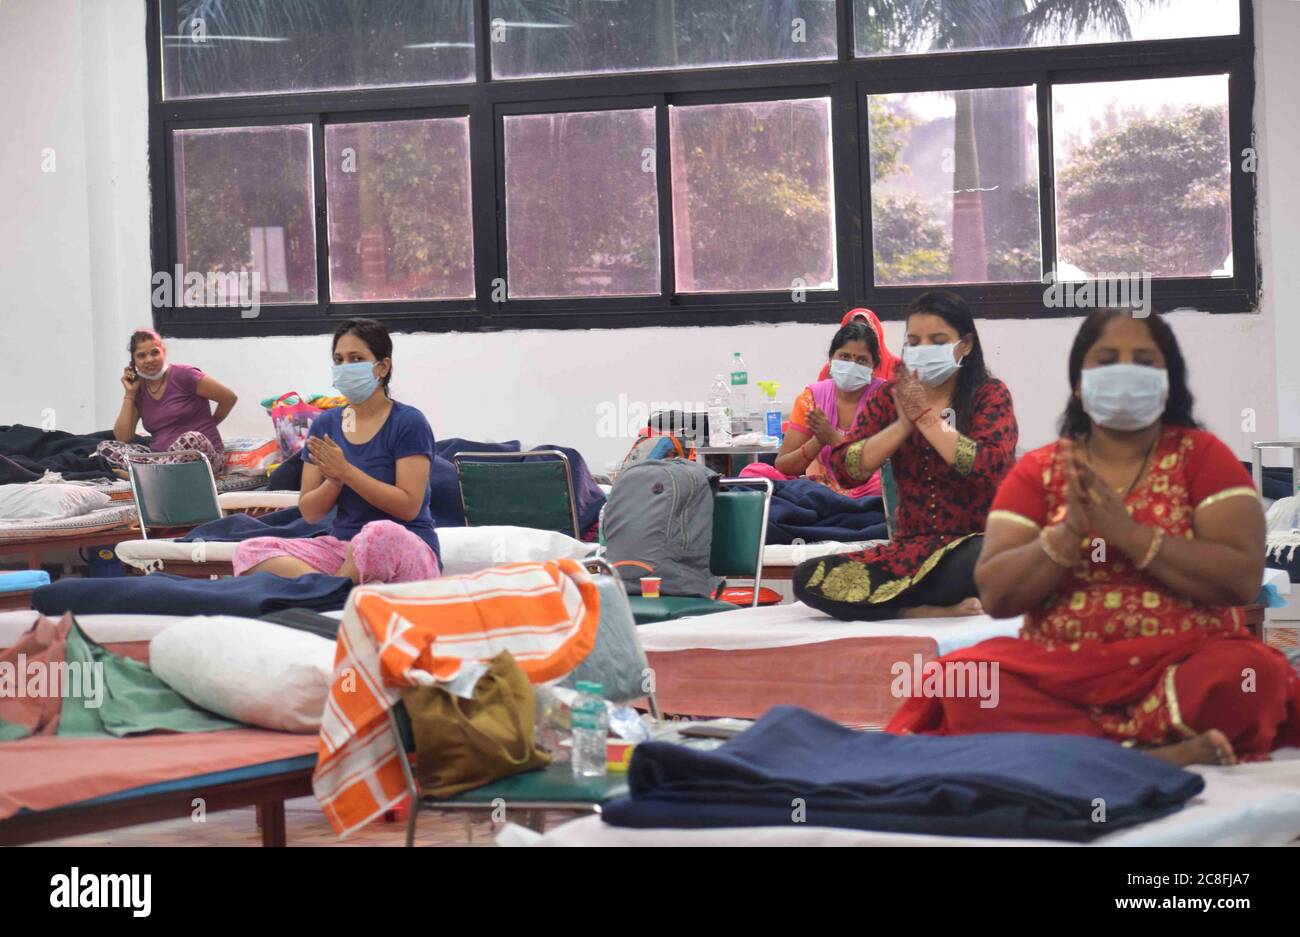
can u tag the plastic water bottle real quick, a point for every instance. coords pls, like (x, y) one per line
(772, 410)
(720, 412)
(740, 411)
(590, 727)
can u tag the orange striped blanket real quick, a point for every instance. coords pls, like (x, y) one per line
(422, 633)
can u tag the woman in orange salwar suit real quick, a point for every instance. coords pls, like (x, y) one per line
(1129, 545)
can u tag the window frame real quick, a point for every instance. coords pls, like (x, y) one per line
(846, 81)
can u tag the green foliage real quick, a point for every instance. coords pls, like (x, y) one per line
(911, 245)
(1152, 196)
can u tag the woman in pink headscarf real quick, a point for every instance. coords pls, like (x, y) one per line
(826, 411)
(887, 360)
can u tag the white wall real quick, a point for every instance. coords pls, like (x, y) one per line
(75, 280)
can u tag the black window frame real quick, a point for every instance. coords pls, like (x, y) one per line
(846, 81)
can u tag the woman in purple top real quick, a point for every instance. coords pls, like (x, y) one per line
(369, 462)
(174, 401)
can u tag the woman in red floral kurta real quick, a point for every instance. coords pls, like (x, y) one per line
(949, 432)
(1129, 546)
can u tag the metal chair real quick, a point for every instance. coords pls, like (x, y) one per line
(518, 489)
(618, 662)
(739, 536)
(173, 494)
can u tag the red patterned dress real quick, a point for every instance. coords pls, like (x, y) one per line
(1113, 652)
(940, 506)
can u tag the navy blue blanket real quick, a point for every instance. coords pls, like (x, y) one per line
(287, 522)
(810, 512)
(795, 766)
(249, 596)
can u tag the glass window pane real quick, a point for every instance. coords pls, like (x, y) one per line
(582, 216)
(1143, 178)
(237, 47)
(954, 187)
(399, 210)
(753, 198)
(533, 38)
(904, 27)
(244, 203)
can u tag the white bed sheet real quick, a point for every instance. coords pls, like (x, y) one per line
(793, 554)
(796, 624)
(1244, 805)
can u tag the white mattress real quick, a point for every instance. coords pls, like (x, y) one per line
(789, 625)
(244, 500)
(106, 629)
(148, 554)
(115, 515)
(794, 554)
(1244, 805)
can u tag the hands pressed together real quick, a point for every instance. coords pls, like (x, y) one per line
(329, 458)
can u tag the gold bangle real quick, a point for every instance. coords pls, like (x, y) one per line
(1157, 541)
(1052, 555)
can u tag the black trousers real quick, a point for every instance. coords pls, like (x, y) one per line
(952, 581)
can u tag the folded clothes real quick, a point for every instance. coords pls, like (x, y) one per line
(809, 512)
(796, 767)
(248, 596)
(287, 523)
(23, 579)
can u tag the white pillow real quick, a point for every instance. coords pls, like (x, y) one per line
(253, 671)
(41, 502)
(470, 549)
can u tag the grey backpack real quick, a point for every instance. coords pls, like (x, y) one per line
(660, 513)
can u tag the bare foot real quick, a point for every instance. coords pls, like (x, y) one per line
(960, 610)
(1208, 748)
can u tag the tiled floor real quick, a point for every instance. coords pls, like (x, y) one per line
(306, 826)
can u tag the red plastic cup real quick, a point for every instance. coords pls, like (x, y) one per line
(650, 586)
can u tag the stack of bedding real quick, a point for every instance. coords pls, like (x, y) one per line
(31, 511)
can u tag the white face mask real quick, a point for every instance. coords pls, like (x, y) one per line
(1124, 397)
(850, 376)
(154, 376)
(933, 364)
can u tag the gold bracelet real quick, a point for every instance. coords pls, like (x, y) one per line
(1052, 555)
(1157, 541)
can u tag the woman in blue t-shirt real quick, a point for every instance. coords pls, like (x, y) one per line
(369, 460)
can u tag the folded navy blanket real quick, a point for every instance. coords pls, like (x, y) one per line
(795, 767)
(249, 596)
(811, 513)
(284, 523)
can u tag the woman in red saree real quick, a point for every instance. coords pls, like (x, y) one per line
(1129, 545)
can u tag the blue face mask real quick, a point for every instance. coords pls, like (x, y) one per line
(850, 376)
(933, 364)
(356, 381)
(1124, 397)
